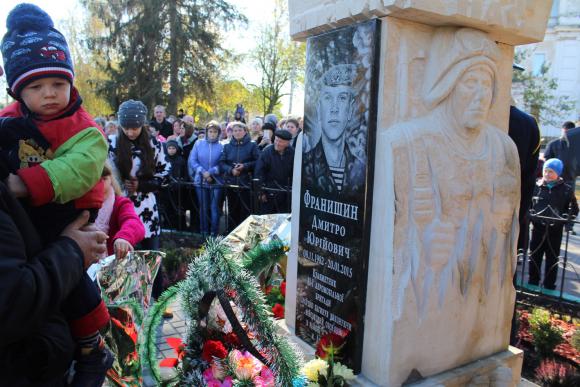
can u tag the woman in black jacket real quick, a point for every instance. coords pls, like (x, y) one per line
(237, 163)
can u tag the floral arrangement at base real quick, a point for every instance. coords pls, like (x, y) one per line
(266, 261)
(325, 370)
(126, 290)
(564, 348)
(276, 298)
(232, 339)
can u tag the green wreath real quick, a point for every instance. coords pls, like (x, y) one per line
(215, 270)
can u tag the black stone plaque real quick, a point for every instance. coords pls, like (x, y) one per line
(337, 179)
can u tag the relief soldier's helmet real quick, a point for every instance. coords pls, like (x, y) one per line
(339, 75)
(453, 52)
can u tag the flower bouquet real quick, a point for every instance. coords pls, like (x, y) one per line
(276, 297)
(325, 370)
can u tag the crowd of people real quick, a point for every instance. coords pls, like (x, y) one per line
(217, 174)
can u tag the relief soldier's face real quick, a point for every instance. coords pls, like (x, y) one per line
(335, 110)
(471, 98)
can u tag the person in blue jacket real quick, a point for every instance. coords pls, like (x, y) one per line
(203, 166)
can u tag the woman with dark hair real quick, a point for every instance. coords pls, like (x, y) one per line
(177, 130)
(142, 169)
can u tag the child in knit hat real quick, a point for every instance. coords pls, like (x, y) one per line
(552, 198)
(55, 159)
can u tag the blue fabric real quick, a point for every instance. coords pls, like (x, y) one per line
(32, 43)
(209, 200)
(244, 152)
(204, 157)
(555, 165)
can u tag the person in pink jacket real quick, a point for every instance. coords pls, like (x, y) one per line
(117, 218)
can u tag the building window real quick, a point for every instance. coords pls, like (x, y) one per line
(538, 61)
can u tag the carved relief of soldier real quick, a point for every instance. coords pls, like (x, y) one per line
(458, 195)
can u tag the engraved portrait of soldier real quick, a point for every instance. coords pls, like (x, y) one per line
(332, 164)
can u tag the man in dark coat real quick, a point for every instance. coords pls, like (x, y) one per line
(274, 171)
(160, 123)
(36, 346)
(524, 131)
(567, 149)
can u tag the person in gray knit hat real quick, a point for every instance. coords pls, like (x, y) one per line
(143, 169)
(132, 114)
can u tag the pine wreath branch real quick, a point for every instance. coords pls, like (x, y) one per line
(148, 350)
(264, 257)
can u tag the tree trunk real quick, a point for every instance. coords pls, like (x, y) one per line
(173, 60)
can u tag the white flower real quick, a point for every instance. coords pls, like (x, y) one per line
(344, 371)
(313, 368)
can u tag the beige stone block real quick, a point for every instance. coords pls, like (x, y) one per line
(404, 54)
(512, 22)
(499, 370)
(443, 232)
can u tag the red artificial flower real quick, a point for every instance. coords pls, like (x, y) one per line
(232, 339)
(278, 311)
(283, 288)
(231, 292)
(178, 346)
(268, 289)
(213, 348)
(170, 362)
(331, 343)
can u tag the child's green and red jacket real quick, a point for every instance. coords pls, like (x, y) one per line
(79, 153)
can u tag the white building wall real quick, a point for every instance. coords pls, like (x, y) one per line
(561, 47)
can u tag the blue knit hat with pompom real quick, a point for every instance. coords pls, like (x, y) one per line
(32, 48)
(555, 165)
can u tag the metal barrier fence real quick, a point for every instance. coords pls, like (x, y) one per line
(184, 206)
(559, 284)
(181, 208)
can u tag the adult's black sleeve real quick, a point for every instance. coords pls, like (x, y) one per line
(32, 288)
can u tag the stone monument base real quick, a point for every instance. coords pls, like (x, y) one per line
(500, 370)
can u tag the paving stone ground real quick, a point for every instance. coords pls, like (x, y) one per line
(174, 327)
